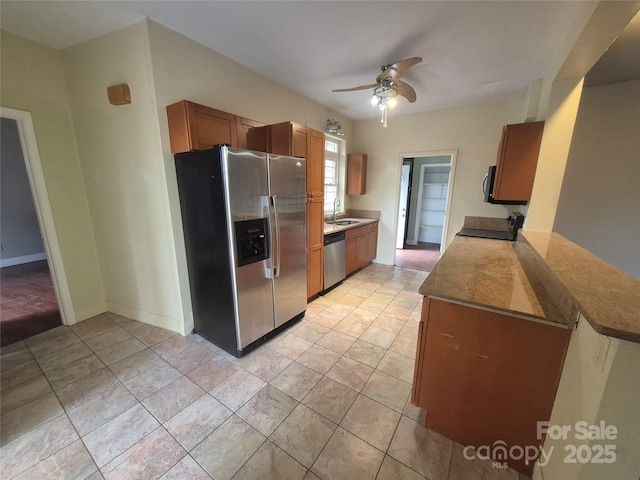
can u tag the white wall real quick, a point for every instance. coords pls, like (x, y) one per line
(599, 206)
(474, 131)
(33, 79)
(122, 163)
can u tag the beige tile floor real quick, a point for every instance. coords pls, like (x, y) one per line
(328, 398)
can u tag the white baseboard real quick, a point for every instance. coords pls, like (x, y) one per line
(411, 241)
(10, 262)
(91, 311)
(149, 318)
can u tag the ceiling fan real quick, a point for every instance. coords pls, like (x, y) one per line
(388, 86)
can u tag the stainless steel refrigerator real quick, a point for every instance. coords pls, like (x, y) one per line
(244, 222)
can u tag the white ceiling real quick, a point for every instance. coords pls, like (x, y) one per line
(473, 51)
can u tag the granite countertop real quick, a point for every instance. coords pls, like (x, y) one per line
(542, 276)
(607, 297)
(331, 228)
(488, 273)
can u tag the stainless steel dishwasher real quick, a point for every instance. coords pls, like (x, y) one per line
(334, 259)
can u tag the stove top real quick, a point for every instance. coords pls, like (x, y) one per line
(495, 228)
(482, 233)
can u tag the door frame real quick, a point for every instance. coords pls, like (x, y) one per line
(406, 206)
(451, 184)
(35, 173)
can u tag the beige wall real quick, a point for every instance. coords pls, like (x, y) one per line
(593, 393)
(598, 209)
(474, 131)
(122, 162)
(184, 69)
(33, 79)
(554, 151)
(599, 205)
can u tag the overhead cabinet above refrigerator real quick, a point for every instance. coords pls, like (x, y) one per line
(244, 222)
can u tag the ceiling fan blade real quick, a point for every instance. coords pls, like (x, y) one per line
(398, 69)
(361, 87)
(406, 91)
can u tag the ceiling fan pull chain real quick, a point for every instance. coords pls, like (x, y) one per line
(383, 120)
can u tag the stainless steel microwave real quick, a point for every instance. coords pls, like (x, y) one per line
(488, 183)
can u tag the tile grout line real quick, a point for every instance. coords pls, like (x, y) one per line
(234, 412)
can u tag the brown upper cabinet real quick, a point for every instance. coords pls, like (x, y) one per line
(250, 135)
(197, 127)
(356, 174)
(517, 161)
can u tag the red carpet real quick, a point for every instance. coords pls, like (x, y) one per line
(27, 302)
(423, 256)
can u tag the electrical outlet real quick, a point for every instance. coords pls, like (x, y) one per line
(601, 351)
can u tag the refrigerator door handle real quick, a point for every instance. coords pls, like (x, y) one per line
(271, 264)
(277, 242)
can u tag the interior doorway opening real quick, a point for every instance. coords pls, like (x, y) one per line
(426, 184)
(28, 304)
(34, 283)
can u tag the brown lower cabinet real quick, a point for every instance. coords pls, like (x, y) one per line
(361, 244)
(484, 377)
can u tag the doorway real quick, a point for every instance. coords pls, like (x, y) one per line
(423, 209)
(34, 296)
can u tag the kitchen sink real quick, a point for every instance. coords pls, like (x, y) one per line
(343, 223)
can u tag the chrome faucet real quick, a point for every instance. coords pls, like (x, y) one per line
(336, 204)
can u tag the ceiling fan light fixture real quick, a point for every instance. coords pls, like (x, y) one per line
(387, 90)
(388, 86)
(385, 97)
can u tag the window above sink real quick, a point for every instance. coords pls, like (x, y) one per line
(334, 174)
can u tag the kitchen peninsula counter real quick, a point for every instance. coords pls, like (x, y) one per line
(543, 276)
(608, 298)
(488, 338)
(491, 336)
(496, 275)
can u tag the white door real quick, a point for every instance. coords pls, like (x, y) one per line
(402, 208)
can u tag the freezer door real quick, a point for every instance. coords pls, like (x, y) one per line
(246, 186)
(287, 187)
